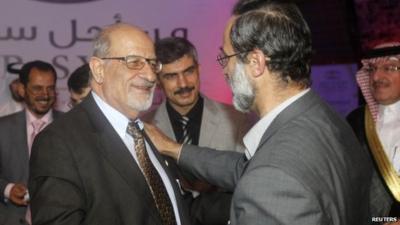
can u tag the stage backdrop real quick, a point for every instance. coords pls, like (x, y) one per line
(61, 31)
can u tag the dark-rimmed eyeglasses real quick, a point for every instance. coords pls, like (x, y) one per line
(223, 58)
(371, 69)
(135, 62)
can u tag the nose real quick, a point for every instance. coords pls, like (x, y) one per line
(182, 81)
(147, 73)
(377, 74)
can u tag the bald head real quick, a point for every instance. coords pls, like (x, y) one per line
(114, 35)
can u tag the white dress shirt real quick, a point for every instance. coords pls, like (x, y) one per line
(120, 122)
(253, 137)
(388, 128)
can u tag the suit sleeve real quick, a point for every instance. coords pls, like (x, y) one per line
(54, 185)
(267, 195)
(220, 168)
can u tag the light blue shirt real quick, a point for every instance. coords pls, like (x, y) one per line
(253, 137)
(120, 122)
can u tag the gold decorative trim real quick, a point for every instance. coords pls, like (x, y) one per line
(385, 167)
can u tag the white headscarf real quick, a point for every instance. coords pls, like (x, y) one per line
(363, 77)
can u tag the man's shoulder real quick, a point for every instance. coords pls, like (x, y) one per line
(11, 118)
(66, 121)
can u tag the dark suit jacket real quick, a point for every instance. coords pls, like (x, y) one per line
(14, 163)
(82, 173)
(380, 197)
(308, 169)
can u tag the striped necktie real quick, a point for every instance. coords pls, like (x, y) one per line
(186, 138)
(153, 179)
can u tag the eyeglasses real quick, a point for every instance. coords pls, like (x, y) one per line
(135, 62)
(223, 58)
(38, 90)
(371, 69)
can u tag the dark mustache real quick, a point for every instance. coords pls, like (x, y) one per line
(379, 83)
(183, 90)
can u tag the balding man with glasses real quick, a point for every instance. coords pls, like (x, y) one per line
(95, 165)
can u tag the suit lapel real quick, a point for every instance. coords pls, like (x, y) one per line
(209, 123)
(114, 150)
(162, 121)
(20, 141)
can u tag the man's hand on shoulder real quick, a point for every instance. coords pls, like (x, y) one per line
(164, 144)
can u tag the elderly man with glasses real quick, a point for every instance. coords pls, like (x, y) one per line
(95, 165)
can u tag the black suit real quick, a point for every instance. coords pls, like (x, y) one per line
(380, 197)
(82, 173)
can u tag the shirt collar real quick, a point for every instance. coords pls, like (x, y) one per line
(395, 107)
(117, 120)
(193, 113)
(47, 118)
(253, 137)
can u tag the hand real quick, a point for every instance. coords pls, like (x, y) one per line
(17, 194)
(197, 185)
(164, 144)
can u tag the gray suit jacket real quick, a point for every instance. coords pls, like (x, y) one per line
(222, 127)
(308, 169)
(14, 163)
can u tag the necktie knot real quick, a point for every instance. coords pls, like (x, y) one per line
(37, 125)
(134, 130)
(184, 121)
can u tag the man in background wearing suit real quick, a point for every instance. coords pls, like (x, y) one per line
(94, 165)
(17, 131)
(303, 164)
(189, 117)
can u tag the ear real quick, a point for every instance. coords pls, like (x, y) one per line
(257, 62)
(21, 90)
(97, 69)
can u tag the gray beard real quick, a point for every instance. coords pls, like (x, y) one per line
(243, 91)
(141, 106)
